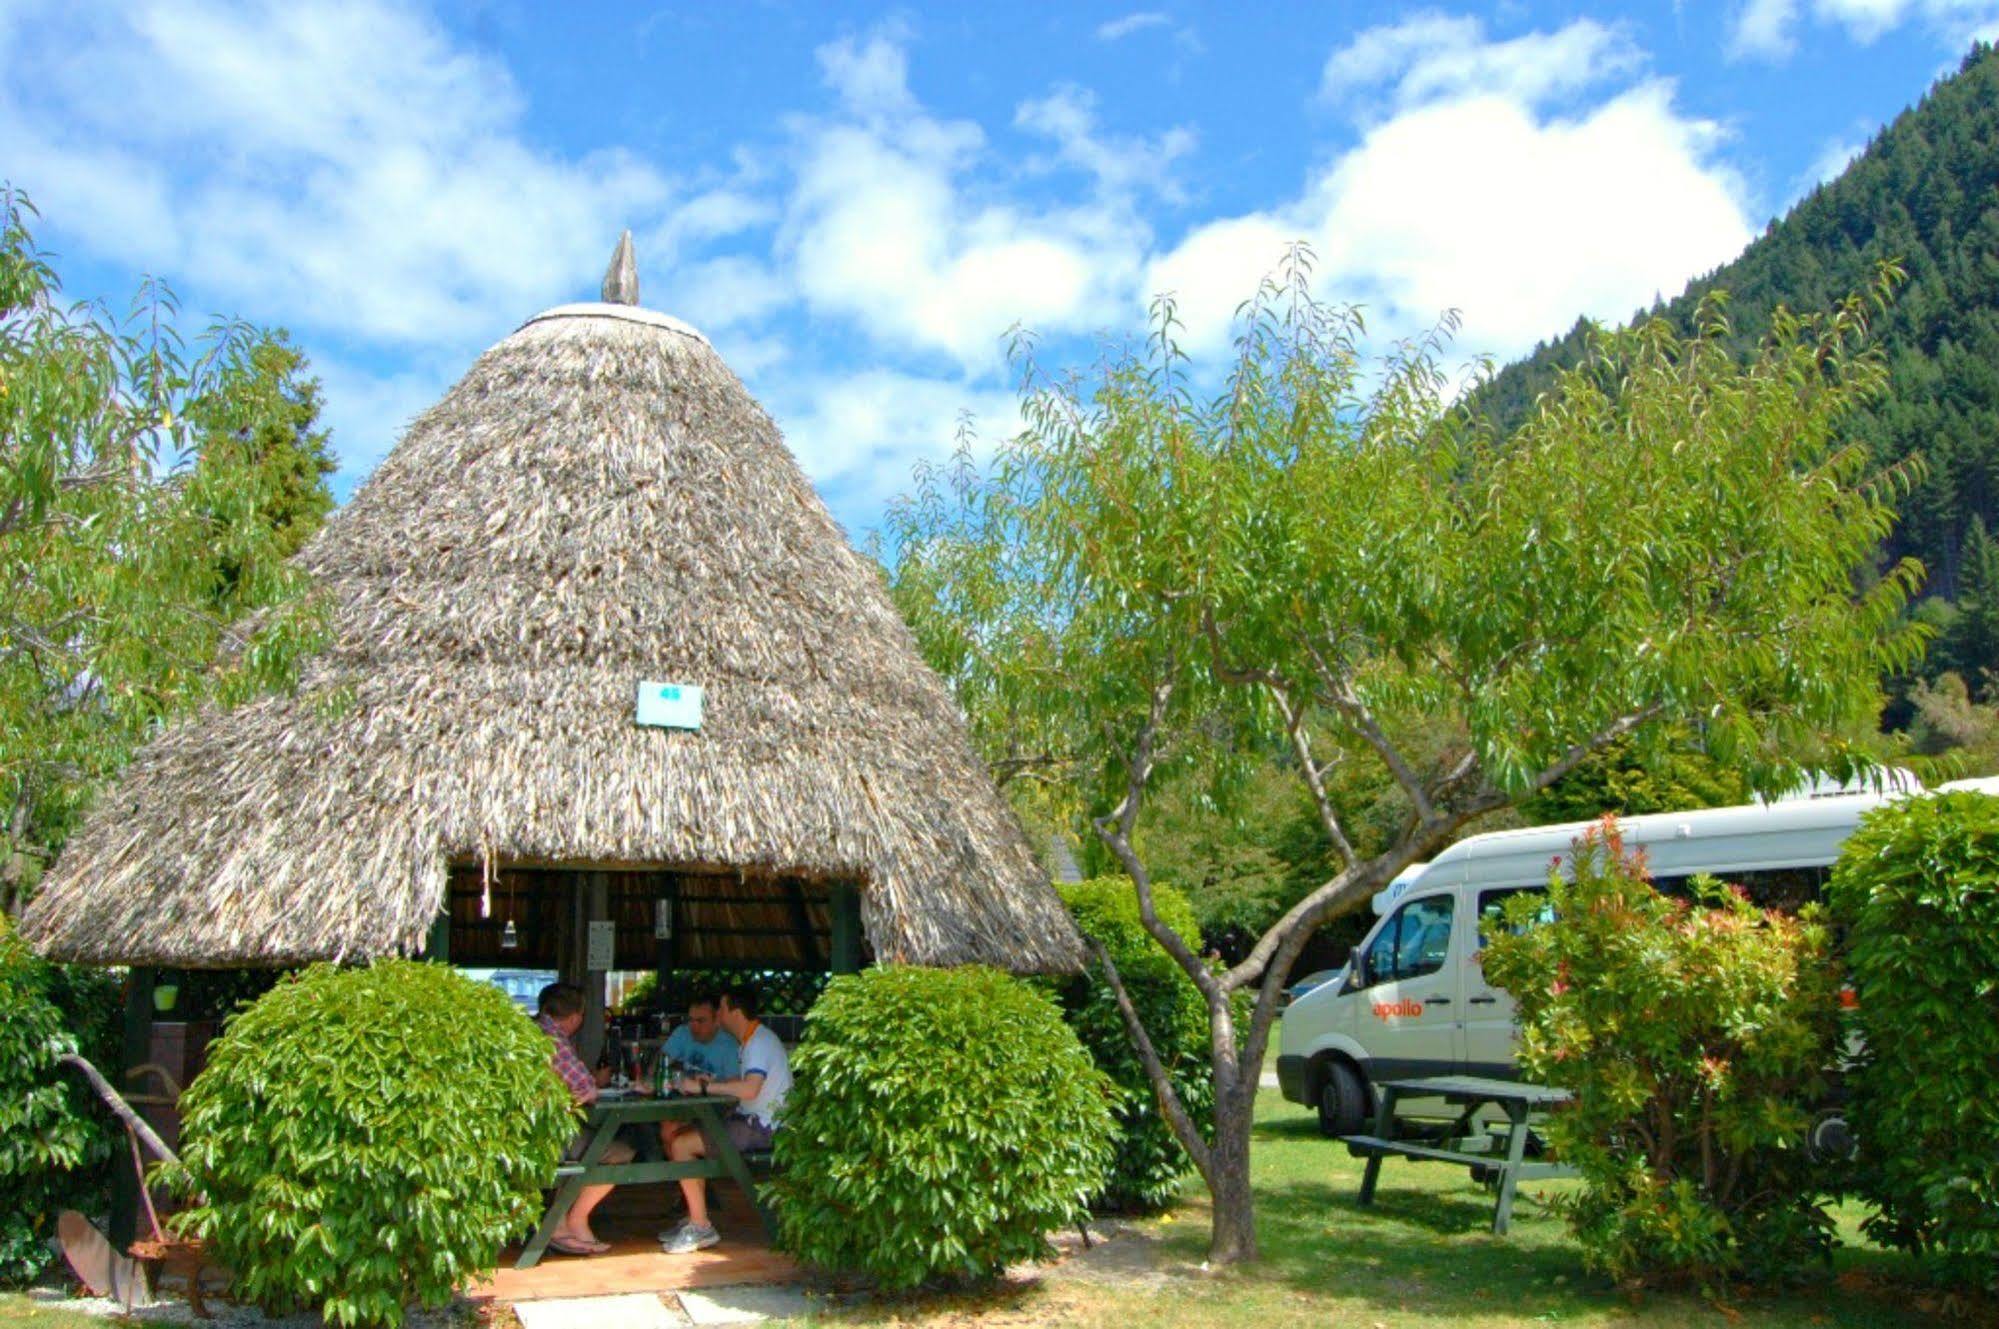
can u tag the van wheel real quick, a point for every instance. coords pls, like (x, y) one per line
(1344, 1108)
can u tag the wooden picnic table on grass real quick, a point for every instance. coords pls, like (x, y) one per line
(1463, 1144)
(609, 1113)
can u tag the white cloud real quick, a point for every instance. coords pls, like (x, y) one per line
(860, 433)
(871, 76)
(1766, 29)
(896, 222)
(1475, 196)
(1433, 55)
(1118, 29)
(342, 166)
(1763, 30)
(1122, 164)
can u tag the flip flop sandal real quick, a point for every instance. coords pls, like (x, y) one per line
(570, 1246)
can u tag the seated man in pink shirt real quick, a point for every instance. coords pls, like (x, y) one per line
(561, 1016)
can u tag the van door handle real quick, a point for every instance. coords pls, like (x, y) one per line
(1482, 1001)
(1436, 1001)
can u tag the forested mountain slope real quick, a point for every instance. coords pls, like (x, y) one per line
(1924, 193)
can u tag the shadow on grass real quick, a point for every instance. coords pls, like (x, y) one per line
(1416, 1248)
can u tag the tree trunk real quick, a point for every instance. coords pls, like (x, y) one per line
(1232, 1238)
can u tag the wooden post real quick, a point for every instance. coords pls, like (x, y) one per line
(593, 897)
(846, 928)
(137, 1050)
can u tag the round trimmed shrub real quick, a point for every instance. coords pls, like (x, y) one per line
(1148, 1161)
(365, 1138)
(53, 1140)
(1917, 892)
(943, 1122)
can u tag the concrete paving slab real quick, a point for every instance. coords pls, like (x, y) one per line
(744, 1305)
(633, 1310)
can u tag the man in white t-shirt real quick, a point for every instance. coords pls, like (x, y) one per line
(759, 1088)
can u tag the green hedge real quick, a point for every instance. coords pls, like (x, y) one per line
(1149, 1162)
(55, 1141)
(1917, 892)
(943, 1122)
(365, 1138)
(1696, 1036)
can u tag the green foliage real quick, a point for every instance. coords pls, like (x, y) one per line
(1149, 1162)
(779, 991)
(51, 1135)
(1241, 853)
(1669, 774)
(1970, 642)
(261, 418)
(1948, 723)
(1695, 1036)
(365, 1138)
(1925, 193)
(1917, 892)
(943, 1122)
(134, 544)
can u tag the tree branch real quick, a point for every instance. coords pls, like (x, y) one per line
(1341, 697)
(1491, 799)
(1301, 745)
(1115, 829)
(1163, 1091)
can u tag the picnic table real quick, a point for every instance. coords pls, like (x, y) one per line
(1462, 1144)
(613, 1110)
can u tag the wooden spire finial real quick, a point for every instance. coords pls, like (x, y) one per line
(621, 279)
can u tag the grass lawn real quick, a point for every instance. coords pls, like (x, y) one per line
(18, 1312)
(1423, 1256)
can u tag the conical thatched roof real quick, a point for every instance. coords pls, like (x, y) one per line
(599, 501)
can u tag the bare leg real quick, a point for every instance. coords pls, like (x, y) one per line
(576, 1223)
(685, 1147)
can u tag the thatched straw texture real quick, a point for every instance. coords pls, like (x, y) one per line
(598, 501)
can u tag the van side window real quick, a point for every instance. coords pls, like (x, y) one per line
(1784, 889)
(1492, 907)
(1416, 940)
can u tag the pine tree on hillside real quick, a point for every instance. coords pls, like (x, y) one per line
(1970, 645)
(1925, 194)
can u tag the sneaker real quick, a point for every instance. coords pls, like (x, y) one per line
(691, 1237)
(669, 1234)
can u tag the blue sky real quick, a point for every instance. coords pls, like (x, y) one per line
(855, 203)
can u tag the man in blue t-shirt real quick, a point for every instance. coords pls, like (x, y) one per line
(703, 1048)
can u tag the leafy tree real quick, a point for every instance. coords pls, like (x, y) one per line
(1330, 558)
(261, 415)
(134, 550)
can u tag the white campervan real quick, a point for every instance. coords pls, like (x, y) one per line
(1413, 1001)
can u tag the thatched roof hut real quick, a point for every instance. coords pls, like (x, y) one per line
(597, 503)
